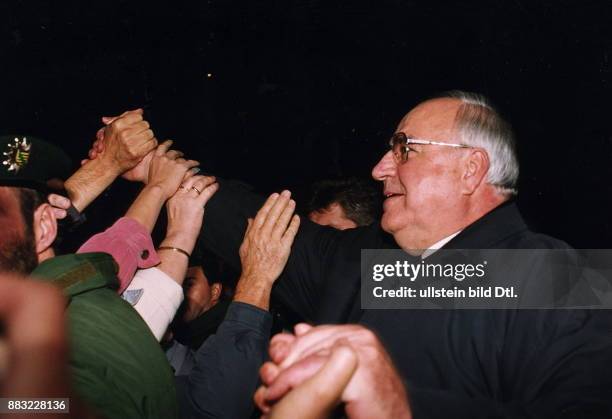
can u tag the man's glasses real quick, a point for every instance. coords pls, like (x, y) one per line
(400, 145)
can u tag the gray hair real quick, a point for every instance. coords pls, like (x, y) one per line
(480, 125)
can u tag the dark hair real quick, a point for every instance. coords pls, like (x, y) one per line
(359, 198)
(215, 269)
(29, 201)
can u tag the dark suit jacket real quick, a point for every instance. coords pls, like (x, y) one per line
(456, 363)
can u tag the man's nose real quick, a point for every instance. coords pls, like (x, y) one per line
(385, 168)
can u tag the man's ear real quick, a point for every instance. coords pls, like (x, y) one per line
(476, 169)
(215, 292)
(45, 229)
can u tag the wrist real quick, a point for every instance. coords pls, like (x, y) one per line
(74, 193)
(159, 185)
(256, 278)
(255, 294)
(180, 240)
(154, 192)
(175, 249)
(109, 165)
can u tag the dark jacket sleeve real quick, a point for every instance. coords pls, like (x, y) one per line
(225, 219)
(314, 251)
(226, 371)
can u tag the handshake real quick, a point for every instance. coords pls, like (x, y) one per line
(313, 371)
(127, 145)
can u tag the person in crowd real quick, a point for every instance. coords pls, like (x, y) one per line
(449, 179)
(344, 203)
(205, 304)
(108, 338)
(155, 289)
(224, 376)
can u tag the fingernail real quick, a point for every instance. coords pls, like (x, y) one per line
(274, 195)
(286, 193)
(195, 170)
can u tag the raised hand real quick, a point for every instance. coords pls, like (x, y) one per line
(268, 238)
(186, 210)
(139, 173)
(168, 169)
(123, 142)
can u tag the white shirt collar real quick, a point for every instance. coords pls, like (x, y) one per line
(438, 245)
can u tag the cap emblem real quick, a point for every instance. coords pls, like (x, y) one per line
(17, 155)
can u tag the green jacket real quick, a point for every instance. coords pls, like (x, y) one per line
(118, 367)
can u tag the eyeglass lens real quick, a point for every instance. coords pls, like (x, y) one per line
(399, 147)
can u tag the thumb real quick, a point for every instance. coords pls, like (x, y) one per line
(110, 119)
(319, 395)
(249, 224)
(107, 120)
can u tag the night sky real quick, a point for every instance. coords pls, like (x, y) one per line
(281, 93)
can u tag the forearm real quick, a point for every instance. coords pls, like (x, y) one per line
(174, 262)
(223, 231)
(156, 297)
(226, 373)
(129, 243)
(253, 292)
(147, 206)
(89, 181)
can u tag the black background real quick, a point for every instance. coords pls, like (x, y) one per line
(303, 89)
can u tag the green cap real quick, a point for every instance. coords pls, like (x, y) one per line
(30, 162)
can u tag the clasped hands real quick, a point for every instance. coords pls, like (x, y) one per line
(317, 368)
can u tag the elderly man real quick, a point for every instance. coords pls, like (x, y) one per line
(448, 181)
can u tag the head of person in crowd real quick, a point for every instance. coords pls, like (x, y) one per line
(344, 203)
(452, 159)
(28, 222)
(204, 283)
(207, 288)
(29, 170)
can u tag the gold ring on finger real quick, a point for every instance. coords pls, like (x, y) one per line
(196, 189)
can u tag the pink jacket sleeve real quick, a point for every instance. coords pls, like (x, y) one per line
(129, 243)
